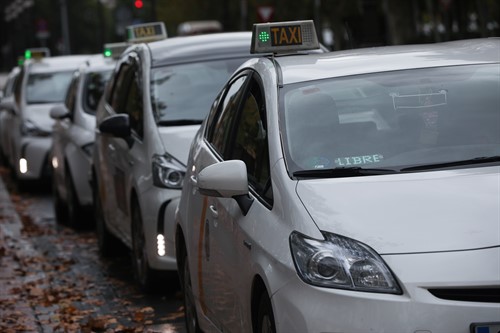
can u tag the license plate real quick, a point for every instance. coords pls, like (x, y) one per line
(485, 328)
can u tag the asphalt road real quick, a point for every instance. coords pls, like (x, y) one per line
(52, 278)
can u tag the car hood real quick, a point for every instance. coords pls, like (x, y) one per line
(408, 213)
(39, 115)
(177, 140)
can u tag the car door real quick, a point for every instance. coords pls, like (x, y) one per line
(130, 155)
(111, 175)
(240, 132)
(61, 135)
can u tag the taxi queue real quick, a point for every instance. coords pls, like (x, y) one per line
(289, 189)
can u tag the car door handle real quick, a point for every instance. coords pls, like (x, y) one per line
(213, 210)
(111, 148)
(194, 180)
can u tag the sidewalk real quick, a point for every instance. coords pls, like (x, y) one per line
(16, 313)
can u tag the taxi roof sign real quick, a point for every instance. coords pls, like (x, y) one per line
(146, 32)
(113, 50)
(280, 37)
(37, 53)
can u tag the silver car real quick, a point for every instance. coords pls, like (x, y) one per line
(73, 141)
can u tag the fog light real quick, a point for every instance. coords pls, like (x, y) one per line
(160, 243)
(55, 164)
(23, 165)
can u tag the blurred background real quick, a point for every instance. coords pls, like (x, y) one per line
(83, 26)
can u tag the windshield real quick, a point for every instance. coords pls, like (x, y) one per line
(47, 87)
(184, 93)
(393, 121)
(93, 90)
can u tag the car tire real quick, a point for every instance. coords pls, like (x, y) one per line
(106, 242)
(144, 275)
(60, 208)
(74, 209)
(265, 316)
(190, 315)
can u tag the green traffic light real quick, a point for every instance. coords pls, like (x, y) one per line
(264, 36)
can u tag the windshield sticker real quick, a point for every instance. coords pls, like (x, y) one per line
(318, 162)
(419, 101)
(358, 160)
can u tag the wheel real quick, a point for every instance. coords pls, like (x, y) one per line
(75, 211)
(60, 208)
(265, 317)
(144, 275)
(106, 242)
(190, 314)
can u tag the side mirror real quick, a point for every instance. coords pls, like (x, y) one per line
(116, 125)
(8, 105)
(227, 179)
(59, 112)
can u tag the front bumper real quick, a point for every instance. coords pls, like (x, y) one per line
(299, 307)
(34, 151)
(158, 207)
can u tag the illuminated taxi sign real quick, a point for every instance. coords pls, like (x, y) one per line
(113, 50)
(281, 37)
(147, 32)
(36, 53)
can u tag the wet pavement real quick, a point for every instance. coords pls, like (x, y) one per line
(53, 280)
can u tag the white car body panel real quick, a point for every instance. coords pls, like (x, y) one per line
(391, 222)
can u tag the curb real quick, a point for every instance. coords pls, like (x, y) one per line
(16, 313)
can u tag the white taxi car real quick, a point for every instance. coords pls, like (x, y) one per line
(42, 84)
(155, 102)
(73, 140)
(7, 99)
(355, 191)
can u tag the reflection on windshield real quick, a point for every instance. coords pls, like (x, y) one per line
(393, 120)
(186, 92)
(47, 87)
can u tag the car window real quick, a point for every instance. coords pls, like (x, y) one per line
(219, 133)
(18, 85)
(393, 120)
(71, 94)
(251, 141)
(182, 92)
(94, 85)
(133, 99)
(118, 93)
(47, 87)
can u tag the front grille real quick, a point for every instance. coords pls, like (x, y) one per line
(483, 295)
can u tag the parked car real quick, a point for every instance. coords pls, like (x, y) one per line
(155, 102)
(73, 141)
(7, 98)
(353, 191)
(42, 83)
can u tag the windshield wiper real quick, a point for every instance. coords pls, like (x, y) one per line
(472, 161)
(342, 172)
(180, 122)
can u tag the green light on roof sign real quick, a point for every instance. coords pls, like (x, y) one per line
(108, 53)
(27, 54)
(264, 36)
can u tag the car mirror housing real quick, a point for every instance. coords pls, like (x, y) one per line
(116, 125)
(59, 112)
(8, 105)
(227, 179)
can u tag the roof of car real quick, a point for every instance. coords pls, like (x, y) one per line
(59, 63)
(194, 48)
(97, 62)
(297, 68)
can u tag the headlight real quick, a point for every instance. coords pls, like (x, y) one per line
(168, 172)
(341, 262)
(28, 128)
